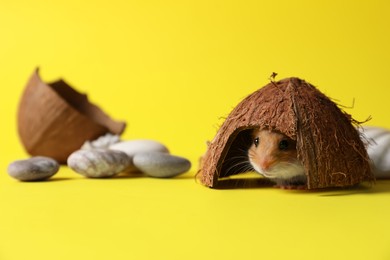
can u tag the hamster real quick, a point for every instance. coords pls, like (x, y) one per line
(274, 156)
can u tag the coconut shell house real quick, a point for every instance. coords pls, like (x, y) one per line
(327, 142)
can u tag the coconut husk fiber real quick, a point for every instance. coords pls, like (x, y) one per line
(328, 144)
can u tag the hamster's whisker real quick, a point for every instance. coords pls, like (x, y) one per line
(238, 167)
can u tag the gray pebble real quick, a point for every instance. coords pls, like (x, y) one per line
(134, 147)
(378, 149)
(103, 142)
(98, 163)
(161, 165)
(34, 169)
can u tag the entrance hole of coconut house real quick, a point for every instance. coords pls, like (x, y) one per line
(235, 168)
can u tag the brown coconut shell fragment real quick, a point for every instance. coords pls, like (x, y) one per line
(54, 119)
(328, 144)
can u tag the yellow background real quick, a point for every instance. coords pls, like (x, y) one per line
(173, 70)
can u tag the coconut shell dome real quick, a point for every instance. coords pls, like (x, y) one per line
(328, 144)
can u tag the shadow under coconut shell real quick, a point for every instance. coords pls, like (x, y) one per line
(244, 183)
(380, 186)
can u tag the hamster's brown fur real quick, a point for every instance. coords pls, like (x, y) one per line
(274, 155)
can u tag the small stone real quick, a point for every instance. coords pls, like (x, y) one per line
(34, 169)
(134, 147)
(103, 142)
(161, 165)
(378, 149)
(98, 163)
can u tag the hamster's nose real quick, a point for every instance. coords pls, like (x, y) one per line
(266, 164)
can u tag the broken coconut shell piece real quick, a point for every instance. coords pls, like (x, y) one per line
(54, 120)
(328, 145)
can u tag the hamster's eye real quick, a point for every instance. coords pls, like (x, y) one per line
(284, 145)
(256, 141)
